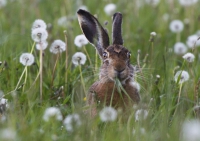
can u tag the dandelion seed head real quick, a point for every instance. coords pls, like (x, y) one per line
(3, 3)
(39, 34)
(52, 112)
(108, 114)
(27, 59)
(152, 2)
(8, 134)
(191, 130)
(192, 41)
(141, 114)
(153, 34)
(135, 85)
(186, 3)
(110, 9)
(57, 46)
(71, 122)
(176, 26)
(180, 48)
(79, 58)
(189, 57)
(183, 75)
(165, 17)
(41, 45)
(39, 24)
(62, 21)
(80, 40)
(83, 7)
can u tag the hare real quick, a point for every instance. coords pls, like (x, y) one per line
(115, 67)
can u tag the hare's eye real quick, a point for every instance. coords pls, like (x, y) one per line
(105, 55)
(128, 54)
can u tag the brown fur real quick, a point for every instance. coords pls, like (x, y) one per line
(115, 85)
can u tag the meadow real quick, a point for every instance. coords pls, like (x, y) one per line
(169, 109)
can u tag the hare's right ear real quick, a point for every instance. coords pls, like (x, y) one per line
(93, 31)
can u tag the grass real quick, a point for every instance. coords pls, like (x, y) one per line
(25, 111)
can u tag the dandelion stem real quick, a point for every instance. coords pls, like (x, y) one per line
(82, 79)
(32, 48)
(178, 37)
(66, 59)
(25, 77)
(87, 55)
(40, 71)
(179, 95)
(58, 55)
(138, 63)
(96, 60)
(20, 78)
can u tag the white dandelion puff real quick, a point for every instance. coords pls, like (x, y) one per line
(58, 46)
(152, 2)
(8, 134)
(180, 48)
(3, 3)
(141, 114)
(39, 24)
(189, 57)
(3, 105)
(153, 34)
(72, 122)
(83, 7)
(80, 40)
(193, 41)
(52, 112)
(41, 45)
(110, 9)
(191, 130)
(187, 2)
(176, 26)
(62, 21)
(108, 114)
(182, 76)
(79, 58)
(135, 85)
(39, 34)
(27, 59)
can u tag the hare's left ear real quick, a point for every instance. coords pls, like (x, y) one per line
(116, 29)
(93, 31)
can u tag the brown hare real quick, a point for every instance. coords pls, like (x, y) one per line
(116, 86)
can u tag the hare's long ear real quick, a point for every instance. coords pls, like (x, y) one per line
(93, 31)
(116, 29)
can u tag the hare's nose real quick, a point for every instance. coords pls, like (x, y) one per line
(119, 70)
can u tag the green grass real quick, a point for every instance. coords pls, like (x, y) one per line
(25, 111)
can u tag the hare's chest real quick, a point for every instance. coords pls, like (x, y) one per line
(111, 94)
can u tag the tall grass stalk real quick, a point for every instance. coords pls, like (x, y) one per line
(40, 72)
(54, 69)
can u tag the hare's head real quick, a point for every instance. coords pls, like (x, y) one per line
(115, 57)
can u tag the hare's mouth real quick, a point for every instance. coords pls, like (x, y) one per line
(121, 75)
